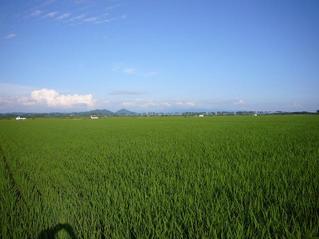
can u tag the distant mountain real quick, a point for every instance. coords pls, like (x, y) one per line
(125, 112)
(97, 112)
(100, 112)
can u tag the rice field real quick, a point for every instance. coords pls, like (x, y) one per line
(160, 177)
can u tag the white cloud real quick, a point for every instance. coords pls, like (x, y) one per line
(46, 3)
(43, 4)
(82, 11)
(186, 103)
(296, 105)
(117, 66)
(130, 71)
(63, 16)
(240, 102)
(90, 19)
(51, 14)
(157, 104)
(105, 20)
(15, 97)
(126, 92)
(112, 7)
(143, 104)
(53, 98)
(151, 74)
(109, 19)
(10, 36)
(36, 13)
(79, 17)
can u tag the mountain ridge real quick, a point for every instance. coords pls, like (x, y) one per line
(97, 112)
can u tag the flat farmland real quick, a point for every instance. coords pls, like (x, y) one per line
(160, 177)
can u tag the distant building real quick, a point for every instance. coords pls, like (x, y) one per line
(20, 118)
(94, 117)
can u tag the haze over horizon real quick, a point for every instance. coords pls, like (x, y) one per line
(79, 55)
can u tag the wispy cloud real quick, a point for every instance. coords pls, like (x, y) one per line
(81, 1)
(76, 18)
(240, 102)
(42, 5)
(111, 19)
(107, 20)
(83, 12)
(126, 93)
(36, 13)
(151, 74)
(112, 7)
(90, 19)
(148, 104)
(47, 3)
(185, 103)
(63, 16)
(10, 36)
(130, 71)
(51, 14)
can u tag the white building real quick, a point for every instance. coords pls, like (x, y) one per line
(94, 117)
(20, 118)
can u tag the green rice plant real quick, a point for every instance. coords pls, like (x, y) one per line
(161, 177)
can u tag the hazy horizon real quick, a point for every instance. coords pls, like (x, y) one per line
(161, 56)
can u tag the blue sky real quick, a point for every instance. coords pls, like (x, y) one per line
(159, 55)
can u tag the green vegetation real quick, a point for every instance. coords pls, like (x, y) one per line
(175, 177)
